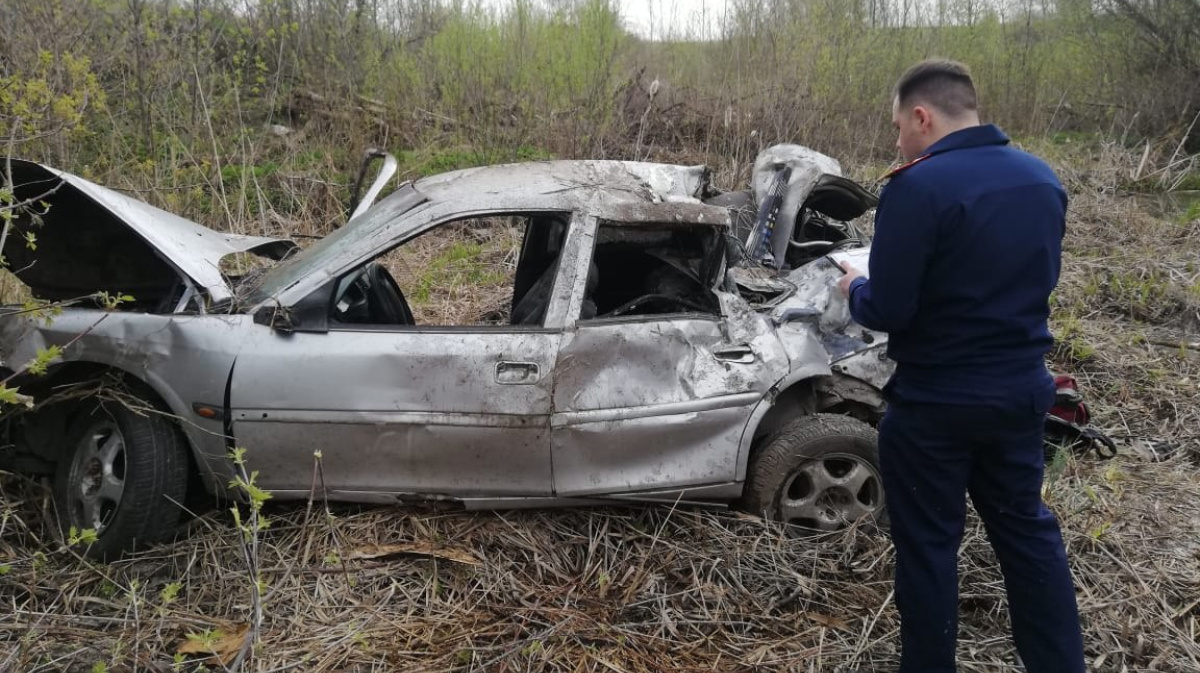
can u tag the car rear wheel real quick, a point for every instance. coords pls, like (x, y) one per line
(122, 475)
(819, 473)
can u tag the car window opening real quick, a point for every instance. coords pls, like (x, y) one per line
(653, 269)
(479, 271)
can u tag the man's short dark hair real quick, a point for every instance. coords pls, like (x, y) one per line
(945, 85)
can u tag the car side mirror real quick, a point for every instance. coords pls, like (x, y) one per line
(278, 318)
(310, 314)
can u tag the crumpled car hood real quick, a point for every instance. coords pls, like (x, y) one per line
(93, 238)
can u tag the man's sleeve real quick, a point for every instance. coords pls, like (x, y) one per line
(905, 235)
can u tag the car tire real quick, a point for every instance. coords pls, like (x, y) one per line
(819, 473)
(122, 474)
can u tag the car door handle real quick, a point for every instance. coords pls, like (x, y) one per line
(741, 354)
(517, 373)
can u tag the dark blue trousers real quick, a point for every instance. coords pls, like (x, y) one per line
(933, 455)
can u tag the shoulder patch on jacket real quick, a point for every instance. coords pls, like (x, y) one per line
(904, 167)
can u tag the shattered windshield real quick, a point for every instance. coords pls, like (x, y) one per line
(310, 260)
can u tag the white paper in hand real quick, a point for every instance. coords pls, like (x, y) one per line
(859, 258)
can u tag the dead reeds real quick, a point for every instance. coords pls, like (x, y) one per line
(633, 589)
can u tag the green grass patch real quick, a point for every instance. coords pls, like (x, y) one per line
(232, 173)
(461, 264)
(1189, 183)
(1142, 294)
(1192, 212)
(1071, 345)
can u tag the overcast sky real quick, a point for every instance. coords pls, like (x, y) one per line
(661, 18)
(657, 19)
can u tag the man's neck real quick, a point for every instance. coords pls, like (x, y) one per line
(949, 126)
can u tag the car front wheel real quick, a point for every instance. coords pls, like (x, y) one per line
(820, 473)
(123, 474)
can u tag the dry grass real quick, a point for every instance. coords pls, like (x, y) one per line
(662, 589)
(1127, 309)
(643, 589)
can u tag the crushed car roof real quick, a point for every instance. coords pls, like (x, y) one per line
(627, 191)
(622, 192)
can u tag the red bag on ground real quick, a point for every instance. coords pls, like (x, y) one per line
(1068, 401)
(1067, 423)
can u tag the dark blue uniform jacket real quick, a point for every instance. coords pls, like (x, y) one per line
(967, 250)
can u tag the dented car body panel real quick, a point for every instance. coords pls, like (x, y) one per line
(591, 402)
(184, 359)
(477, 423)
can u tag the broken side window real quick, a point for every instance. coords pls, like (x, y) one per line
(480, 271)
(654, 269)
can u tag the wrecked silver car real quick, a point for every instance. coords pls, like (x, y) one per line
(549, 333)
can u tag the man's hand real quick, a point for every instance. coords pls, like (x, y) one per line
(852, 272)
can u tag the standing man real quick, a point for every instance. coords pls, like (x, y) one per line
(967, 248)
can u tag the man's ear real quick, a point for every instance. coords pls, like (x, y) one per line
(923, 117)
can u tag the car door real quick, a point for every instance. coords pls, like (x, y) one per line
(430, 411)
(450, 410)
(657, 398)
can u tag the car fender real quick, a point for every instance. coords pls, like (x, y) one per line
(857, 379)
(812, 370)
(183, 360)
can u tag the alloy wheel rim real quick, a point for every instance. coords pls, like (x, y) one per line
(831, 492)
(96, 481)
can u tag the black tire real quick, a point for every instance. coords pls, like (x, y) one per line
(129, 491)
(820, 473)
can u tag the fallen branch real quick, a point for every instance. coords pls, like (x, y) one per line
(1177, 345)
